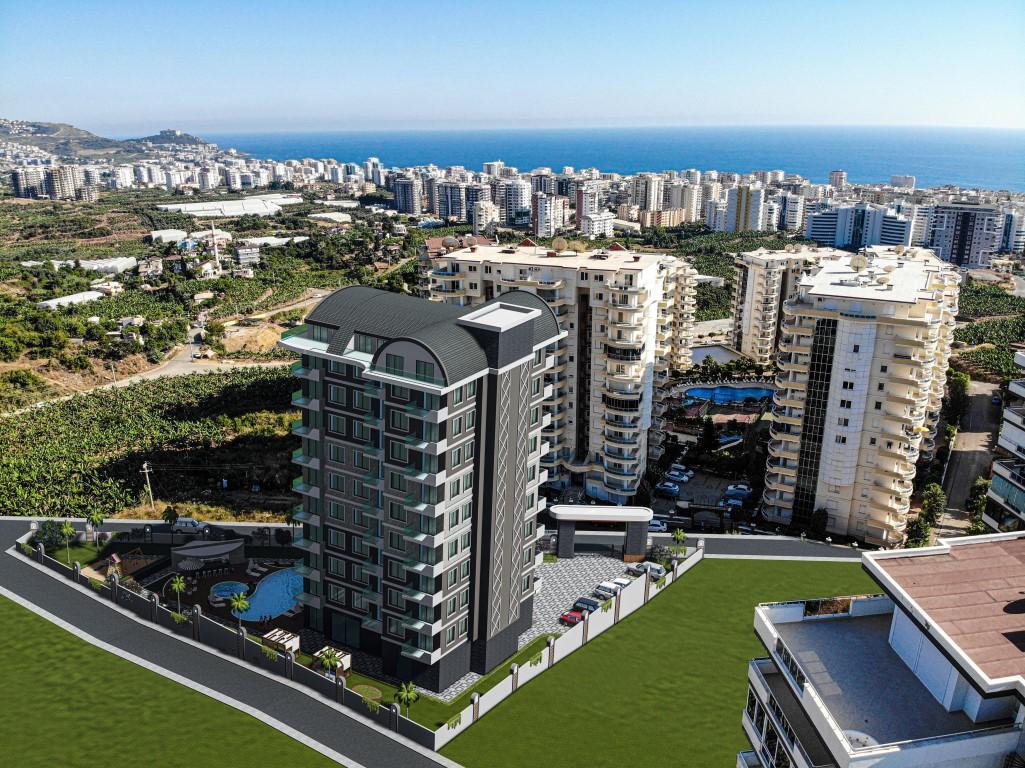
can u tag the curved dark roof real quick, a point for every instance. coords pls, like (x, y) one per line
(432, 324)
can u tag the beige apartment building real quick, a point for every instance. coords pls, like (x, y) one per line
(764, 280)
(628, 319)
(861, 371)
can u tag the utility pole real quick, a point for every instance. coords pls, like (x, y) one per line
(149, 488)
(113, 372)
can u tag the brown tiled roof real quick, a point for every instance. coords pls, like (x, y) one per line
(975, 593)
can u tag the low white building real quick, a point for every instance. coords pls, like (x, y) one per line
(67, 301)
(168, 235)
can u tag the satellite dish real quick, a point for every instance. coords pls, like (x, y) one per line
(469, 240)
(858, 262)
(559, 244)
(576, 245)
(899, 250)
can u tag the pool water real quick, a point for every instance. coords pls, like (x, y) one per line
(225, 589)
(723, 394)
(274, 595)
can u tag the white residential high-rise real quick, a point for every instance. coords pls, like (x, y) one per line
(548, 214)
(451, 196)
(858, 225)
(764, 280)
(513, 200)
(629, 320)
(408, 195)
(965, 234)
(861, 372)
(595, 225)
(588, 200)
(838, 179)
(745, 209)
(903, 182)
(929, 673)
(1005, 501)
(647, 191)
(486, 217)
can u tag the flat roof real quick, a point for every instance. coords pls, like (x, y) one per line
(601, 259)
(593, 513)
(886, 277)
(973, 591)
(873, 696)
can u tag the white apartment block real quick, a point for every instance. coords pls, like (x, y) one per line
(838, 179)
(929, 674)
(595, 225)
(858, 225)
(548, 214)
(628, 319)
(1005, 501)
(860, 378)
(745, 209)
(647, 191)
(965, 234)
(764, 280)
(486, 217)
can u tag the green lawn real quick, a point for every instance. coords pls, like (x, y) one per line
(664, 687)
(67, 703)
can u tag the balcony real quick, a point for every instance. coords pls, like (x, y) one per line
(301, 430)
(312, 574)
(306, 545)
(301, 486)
(306, 598)
(310, 374)
(301, 515)
(310, 462)
(299, 400)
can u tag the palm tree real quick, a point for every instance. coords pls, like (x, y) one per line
(67, 531)
(331, 661)
(178, 586)
(170, 516)
(95, 518)
(407, 694)
(679, 536)
(239, 605)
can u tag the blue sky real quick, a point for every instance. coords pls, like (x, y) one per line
(122, 67)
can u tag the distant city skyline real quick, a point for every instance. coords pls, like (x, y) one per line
(121, 69)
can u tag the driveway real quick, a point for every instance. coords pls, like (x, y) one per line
(972, 455)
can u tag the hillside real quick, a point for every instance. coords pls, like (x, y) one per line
(68, 141)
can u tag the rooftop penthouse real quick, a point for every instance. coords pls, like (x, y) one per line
(929, 673)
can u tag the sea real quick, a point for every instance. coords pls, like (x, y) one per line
(986, 158)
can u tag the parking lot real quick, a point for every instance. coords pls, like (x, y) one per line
(562, 583)
(704, 489)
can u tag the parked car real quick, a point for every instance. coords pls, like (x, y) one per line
(607, 590)
(657, 526)
(995, 400)
(654, 570)
(666, 488)
(681, 469)
(586, 604)
(730, 503)
(738, 495)
(188, 525)
(677, 477)
(571, 617)
(622, 582)
(738, 487)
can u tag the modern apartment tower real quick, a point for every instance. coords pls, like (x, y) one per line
(928, 674)
(764, 280)
(860, 377)
(965, 234)
(628, 319)
(1005, 500)
(421, 461)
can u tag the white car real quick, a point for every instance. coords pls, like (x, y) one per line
(606, 590)
(682, 470)
(738, 488)
(622, 582)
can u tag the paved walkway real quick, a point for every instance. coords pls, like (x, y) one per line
(971, 457)
(320, 722)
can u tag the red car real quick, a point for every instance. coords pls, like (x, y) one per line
(572, 617)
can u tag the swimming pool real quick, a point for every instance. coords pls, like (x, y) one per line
(225, 589)
(274, 594)
(726, 393)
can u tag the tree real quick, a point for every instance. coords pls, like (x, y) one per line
(407, 695)
(934, 502)
(957, 395)
(918, 532)
(239, 605)
(95, 518)
(819, 523)
(178, 586)
(680, 538)
(708, 441)
(67, 532)
(331, 661)
(170, 516)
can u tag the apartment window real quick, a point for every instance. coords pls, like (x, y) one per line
(398, 451)
(844, 422)
(453, 518)
(848, 385)
(473, 286)
(396, 570)
(335, 538)
(841, 440)
(455, 457)
(360, 460)
(467, 481)
(471, 419)
(535, 386)
(533, 444)
(528, 501)
(367, 344)
(845, 403)
(399, 393)
(335, 566)
(467, 510)
(396, 482)
(359, 490)
(883, 368)
(336, 394)
(394, 627)
(457, 426)
(878, 405)
(336, 424)
(453, 548)
(456, 396)
(857, 348)
(531, 472)
(468, 450)
(394, 364)
(360, 430)
(424, 371)
(336, 593)
(464, 541)
(463, 626)
(525, 584)
(336, 453)
(450, 635)
(528, 529)
(538, 357)
(399, 421)
(450, 606)
(453, 489)
(395, 541)
(452, 577)
(396, 511)
(335, 511)
(358, 574)
(335, 482)
(528, 555)
(871, 441)
(880, 387)
(471, 389)
(464, 598)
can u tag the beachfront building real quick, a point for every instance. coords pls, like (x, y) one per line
(628, 319)
(1005, 501)
(928, 674)
(764, 280)
(860, 377)
(421, 460)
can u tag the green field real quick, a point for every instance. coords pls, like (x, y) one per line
(664, 687)
(68, 703)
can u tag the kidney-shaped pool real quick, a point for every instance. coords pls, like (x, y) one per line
(275, 594)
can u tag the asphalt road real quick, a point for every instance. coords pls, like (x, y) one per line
(973, 451)
(345, 735)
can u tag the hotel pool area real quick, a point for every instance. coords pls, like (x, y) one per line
(226, 589)
(726, 394)
(274, 595)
